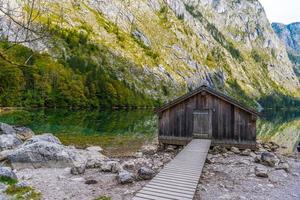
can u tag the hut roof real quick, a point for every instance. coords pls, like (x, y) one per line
(210, 91)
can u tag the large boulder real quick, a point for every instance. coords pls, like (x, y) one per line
(42, 154)
(9, 141)
(6, 129)
(47, 151)
(46, 137)
(24, 133)
(146, 173)
(7, 172)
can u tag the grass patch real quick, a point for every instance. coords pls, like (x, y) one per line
(7, 180)
(24, 193)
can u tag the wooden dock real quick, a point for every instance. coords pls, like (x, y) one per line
(179, 178)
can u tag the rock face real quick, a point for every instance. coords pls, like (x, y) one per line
(227, 43)
(290, 36)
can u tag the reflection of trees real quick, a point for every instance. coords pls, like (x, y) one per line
(117, 122)
(278, 116)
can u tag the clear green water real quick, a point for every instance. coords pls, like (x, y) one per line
(119, 132)
(123, 132)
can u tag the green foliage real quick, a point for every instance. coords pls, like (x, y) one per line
(7, 180)
(239, 94)
(255, 55)
(278, 101)
(23, 193)
(163, 14)
(217, 35)
(82, 77)
(148, 51)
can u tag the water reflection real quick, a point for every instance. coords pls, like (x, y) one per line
(119, 132)
(280, 126)
(123, 132)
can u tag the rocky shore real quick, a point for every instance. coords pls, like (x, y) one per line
(40, 167)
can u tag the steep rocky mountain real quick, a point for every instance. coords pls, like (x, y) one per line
(155, 50)
(290, 35)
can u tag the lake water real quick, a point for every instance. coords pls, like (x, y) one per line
(119, 132)
(123, 132)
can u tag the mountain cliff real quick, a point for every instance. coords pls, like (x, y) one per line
(290, 35)
(145, 52)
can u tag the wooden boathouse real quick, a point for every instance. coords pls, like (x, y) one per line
(197, 119)
(207, 114)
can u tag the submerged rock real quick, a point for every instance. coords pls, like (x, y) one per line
(7, 172)
(125, 177)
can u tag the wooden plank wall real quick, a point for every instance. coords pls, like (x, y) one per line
(229, 123)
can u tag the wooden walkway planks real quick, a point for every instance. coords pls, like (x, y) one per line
(178, 180)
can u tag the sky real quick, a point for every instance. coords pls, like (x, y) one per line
(283, 11)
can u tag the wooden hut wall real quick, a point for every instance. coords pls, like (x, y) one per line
(228, 121)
